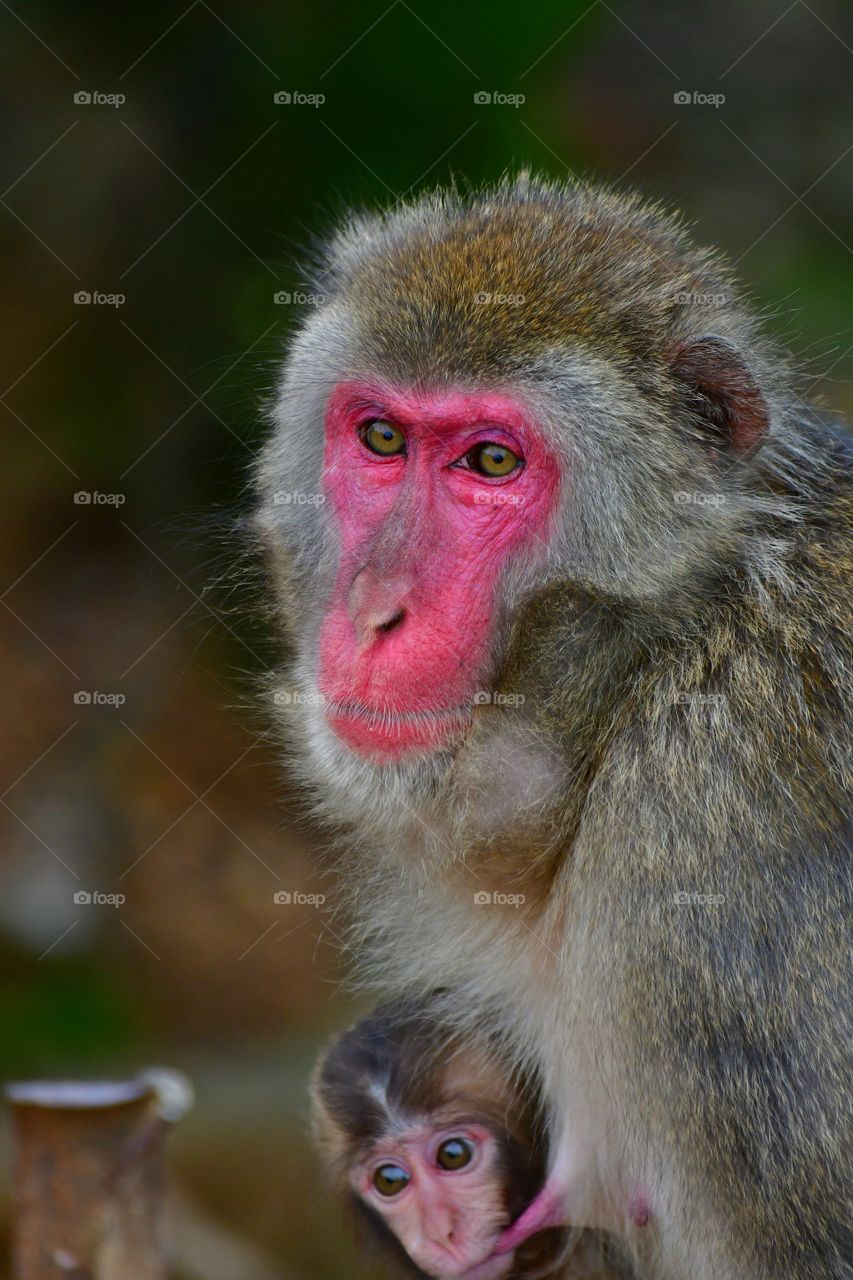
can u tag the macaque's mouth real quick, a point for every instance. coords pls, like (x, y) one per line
(387, 735)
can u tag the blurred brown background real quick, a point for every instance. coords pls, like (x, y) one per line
(192, 199)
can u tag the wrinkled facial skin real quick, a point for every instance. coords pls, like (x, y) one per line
(448, 1221)
(424, 542)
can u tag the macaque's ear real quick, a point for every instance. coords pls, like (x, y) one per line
(723, 391)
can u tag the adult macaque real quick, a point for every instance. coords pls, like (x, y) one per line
(566, 571)
(437, 1150)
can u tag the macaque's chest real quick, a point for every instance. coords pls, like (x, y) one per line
(479, 940)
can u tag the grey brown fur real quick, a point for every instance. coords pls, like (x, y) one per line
(685, 668)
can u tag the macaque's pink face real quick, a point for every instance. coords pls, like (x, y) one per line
(440, 1192)
(433, 494)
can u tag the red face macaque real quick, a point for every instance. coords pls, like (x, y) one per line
(534, 446)
(437, 1150)
(434, 495)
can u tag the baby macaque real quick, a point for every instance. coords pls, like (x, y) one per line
(439, 1150)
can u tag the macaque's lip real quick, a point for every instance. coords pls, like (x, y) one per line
(386, 736)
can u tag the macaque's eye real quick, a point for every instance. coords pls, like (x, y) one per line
(390, 1179)
(383, 437)
(454, 1153)
(492, 459)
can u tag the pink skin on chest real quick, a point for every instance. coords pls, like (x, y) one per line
(552, 1208)
(547, 1210)
(424, 540)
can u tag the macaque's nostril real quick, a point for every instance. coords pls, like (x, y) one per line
(377, 605)
(392, 622)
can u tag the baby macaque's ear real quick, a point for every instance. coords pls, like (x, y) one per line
(723, 391)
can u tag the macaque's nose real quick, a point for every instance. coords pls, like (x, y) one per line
(377, 604)
(435, 1236)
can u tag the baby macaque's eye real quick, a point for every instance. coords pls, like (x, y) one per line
(454, 1153)
(390, 1179)
(383, 437)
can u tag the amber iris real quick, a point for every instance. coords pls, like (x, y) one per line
(383, 438)
(492, 459)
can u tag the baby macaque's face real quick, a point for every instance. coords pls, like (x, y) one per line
(435, 1138)
(441, 1190)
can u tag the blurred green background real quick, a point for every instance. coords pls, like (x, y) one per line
(194, 198)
